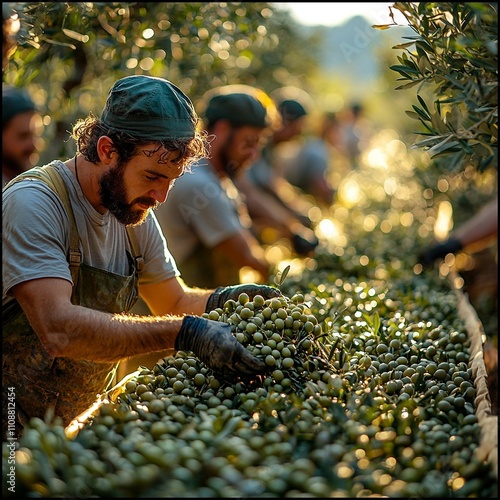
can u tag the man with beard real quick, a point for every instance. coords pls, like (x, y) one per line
(271, 200)
(204, 220)
(80, 242)
(18, 132)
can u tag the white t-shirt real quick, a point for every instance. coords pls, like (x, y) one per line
(36, 234)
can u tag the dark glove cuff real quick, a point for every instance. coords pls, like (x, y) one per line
(440, 250)
(453, 245)
(215, 300)
(185, 337)
(303, 246)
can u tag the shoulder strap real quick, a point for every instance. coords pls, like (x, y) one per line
(134, 243)
(51, 177)
(74, 257)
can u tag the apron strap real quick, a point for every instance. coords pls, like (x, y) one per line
(134, 243)
(52, 178)
(75, 256)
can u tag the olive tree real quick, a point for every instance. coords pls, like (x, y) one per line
(70, 53)
(454, 55)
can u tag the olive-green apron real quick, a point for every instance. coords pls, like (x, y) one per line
(206, 268)
(64, 386)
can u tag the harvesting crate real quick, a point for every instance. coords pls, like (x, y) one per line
(336, 428)
(488, 448)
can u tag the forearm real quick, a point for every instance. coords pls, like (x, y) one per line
(83, 333)
(481, 227)
(73, 331)
(177, 299)
(473, 235)
(194, 301)
(263, 207)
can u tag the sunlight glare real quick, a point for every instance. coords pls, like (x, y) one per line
(397, 149)
(327, 229)
(349, 192)
(390, 186)
(443, 222)
(377, 158)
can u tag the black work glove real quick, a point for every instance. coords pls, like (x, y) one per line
(216, 346)
(303, 246)
(224, 293)
(438, 251)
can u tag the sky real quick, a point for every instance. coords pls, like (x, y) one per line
(336, 13)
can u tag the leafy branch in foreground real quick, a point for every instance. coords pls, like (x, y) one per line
(454, 52)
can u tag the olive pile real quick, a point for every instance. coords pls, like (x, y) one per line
(365, 395)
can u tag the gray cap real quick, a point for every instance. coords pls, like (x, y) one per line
(149, 108)
(14, 102)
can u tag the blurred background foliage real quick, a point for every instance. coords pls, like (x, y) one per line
(70, 54)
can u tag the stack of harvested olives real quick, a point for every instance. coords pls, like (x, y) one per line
(352, 404)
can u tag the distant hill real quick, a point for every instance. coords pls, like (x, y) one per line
(352, 50)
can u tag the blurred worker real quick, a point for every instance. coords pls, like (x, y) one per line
(18, 132)
(204, 219)
(80, 242)
(356, 132)
(308, 169)
(271, 200)
(474, 235)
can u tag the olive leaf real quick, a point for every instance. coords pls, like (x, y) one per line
(278, 281)
(376, 323)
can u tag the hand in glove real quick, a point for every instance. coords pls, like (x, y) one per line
(303, 246)
(304, 220)
(439, 251)
(216, 346)
(224, 293)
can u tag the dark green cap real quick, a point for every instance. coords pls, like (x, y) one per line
(14, 102)
(149, 108)
(291, 109)
(239, 108)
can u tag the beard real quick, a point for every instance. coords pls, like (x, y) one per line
(113, 195)
(231, 167)
(14, 165)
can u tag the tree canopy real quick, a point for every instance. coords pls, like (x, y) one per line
(455, 53)
(70, 54)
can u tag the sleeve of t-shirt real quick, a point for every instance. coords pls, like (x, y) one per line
(205, 207)
(35, 235)
(312, 157)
